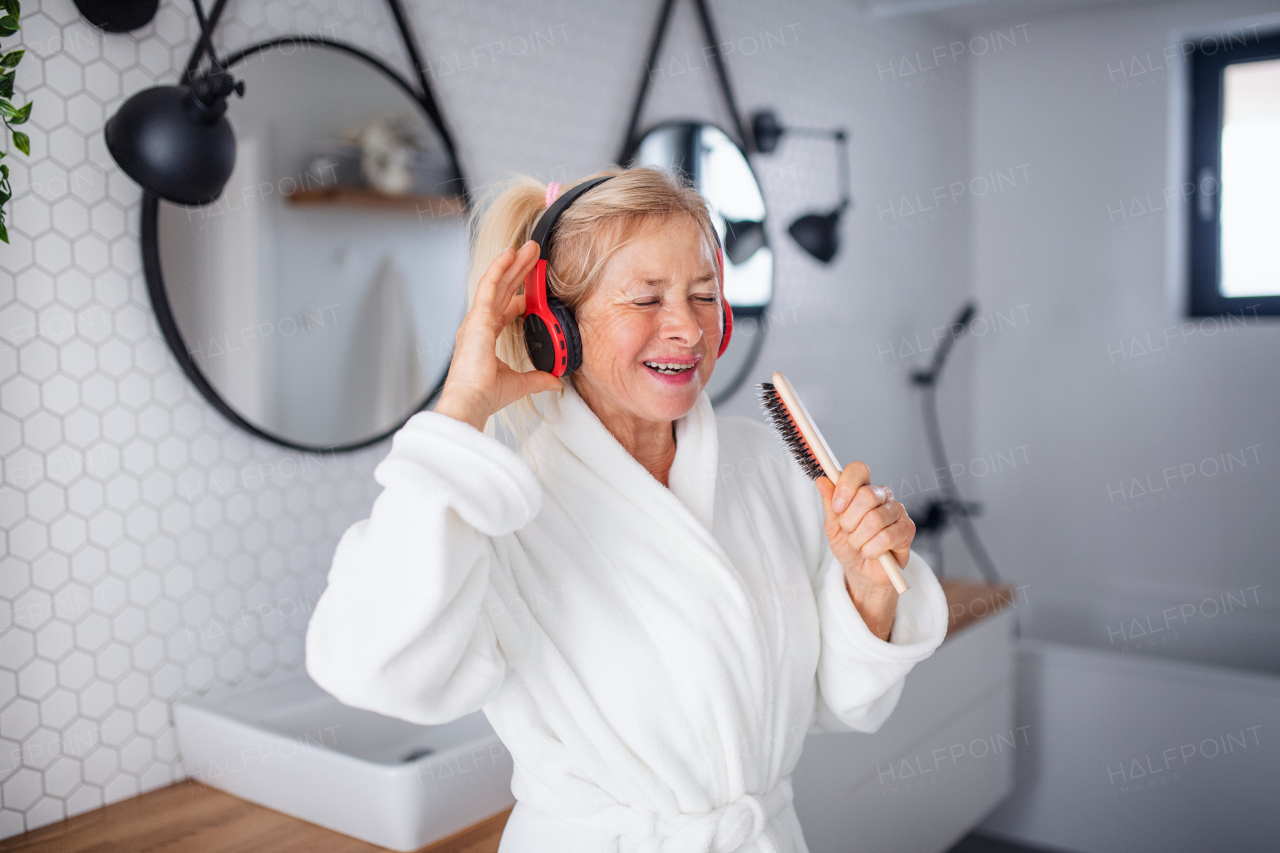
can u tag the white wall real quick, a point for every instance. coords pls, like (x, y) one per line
(1082, 246)
(154, 552)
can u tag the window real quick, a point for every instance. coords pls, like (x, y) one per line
(1235, 169)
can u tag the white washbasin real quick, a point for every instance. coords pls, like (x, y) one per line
(292, 747)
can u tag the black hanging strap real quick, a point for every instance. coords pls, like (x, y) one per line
(630, 140)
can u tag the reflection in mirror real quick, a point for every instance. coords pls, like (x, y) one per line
(320, 293)
(716, 166)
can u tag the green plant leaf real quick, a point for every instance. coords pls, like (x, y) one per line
(11, 59)
(13, 7)
(4, 232)
(22, 142)
(14, 115)
(6, 85)
(8, 25)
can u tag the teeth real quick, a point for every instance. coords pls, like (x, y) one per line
(663, 367)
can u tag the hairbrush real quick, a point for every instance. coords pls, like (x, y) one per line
(800, 434)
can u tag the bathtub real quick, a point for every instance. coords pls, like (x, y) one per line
(1150, 727)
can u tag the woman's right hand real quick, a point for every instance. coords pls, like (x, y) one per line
(479, 383)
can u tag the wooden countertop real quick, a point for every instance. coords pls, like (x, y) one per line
(191, 817)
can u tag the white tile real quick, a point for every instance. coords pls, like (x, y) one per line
(123, 786)
(45, 502)
(11, 823)
(58, 708)
(20, 396)
(54, 639)
(97, 699)
(83, 799)
(101, 764)
(113, 661)
(37, 679)
(63, 75)
(62, 776)
(68, 534)
(17, 646)
(19, 719)
(50, 570)
(60, 395)
(45, 811)
(75, 670)
(131, 692)
(53, 252)
(28, 538)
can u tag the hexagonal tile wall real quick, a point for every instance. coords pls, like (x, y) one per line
(139, 566)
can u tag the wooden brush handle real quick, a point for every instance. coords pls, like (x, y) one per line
(828, 462)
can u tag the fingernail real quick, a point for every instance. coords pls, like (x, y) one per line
(838, 503)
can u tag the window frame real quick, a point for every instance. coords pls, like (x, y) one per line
(1204, 169)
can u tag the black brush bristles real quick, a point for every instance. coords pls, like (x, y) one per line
(776, 410)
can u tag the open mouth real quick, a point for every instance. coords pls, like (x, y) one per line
(668, 369)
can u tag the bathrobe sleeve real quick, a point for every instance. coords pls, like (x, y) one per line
(403, 627)
(860, 676)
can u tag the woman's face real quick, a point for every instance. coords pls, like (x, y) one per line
(657, 303)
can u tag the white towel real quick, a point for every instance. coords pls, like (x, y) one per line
(384, 377)
(652, 657)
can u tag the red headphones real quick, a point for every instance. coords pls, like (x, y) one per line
(550, 331)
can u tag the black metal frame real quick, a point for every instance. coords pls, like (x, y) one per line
(151, 205)
(632, 137)
(1204, 232)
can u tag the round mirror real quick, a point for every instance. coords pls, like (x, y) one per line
(711, 161)
(315, 302)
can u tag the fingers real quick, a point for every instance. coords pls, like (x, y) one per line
(533, 381)
(865, 501)
(896, 537)
(854, 476)
(500, 282)
(871, 512)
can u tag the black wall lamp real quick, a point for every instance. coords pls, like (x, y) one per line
(175, 141)
(816, 233)
(118, 16)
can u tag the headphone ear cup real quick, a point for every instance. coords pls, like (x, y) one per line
(539, 343)
(726, 310)
(572, 339)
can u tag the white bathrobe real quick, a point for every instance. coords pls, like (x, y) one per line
(652, 657)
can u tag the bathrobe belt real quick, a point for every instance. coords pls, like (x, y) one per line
(725, 829)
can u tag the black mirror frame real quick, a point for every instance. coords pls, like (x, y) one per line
(155, 278)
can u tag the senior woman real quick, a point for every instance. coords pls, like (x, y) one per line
(652, 605)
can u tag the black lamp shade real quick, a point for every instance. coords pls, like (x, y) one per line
(766, 130)
(118, 16)
(742, 239)
(172, 146)
(818, 234)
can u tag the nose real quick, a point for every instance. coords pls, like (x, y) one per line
(679, 322)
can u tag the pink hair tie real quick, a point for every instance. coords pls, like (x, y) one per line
(553, 189)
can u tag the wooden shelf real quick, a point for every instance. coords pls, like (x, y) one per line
(191, 816)
(429, 206)
(969, 601)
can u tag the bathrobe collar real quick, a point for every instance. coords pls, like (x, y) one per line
(692, 477)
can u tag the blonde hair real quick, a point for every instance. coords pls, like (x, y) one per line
(587, 234)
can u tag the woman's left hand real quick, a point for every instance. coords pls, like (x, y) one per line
(862, 522)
